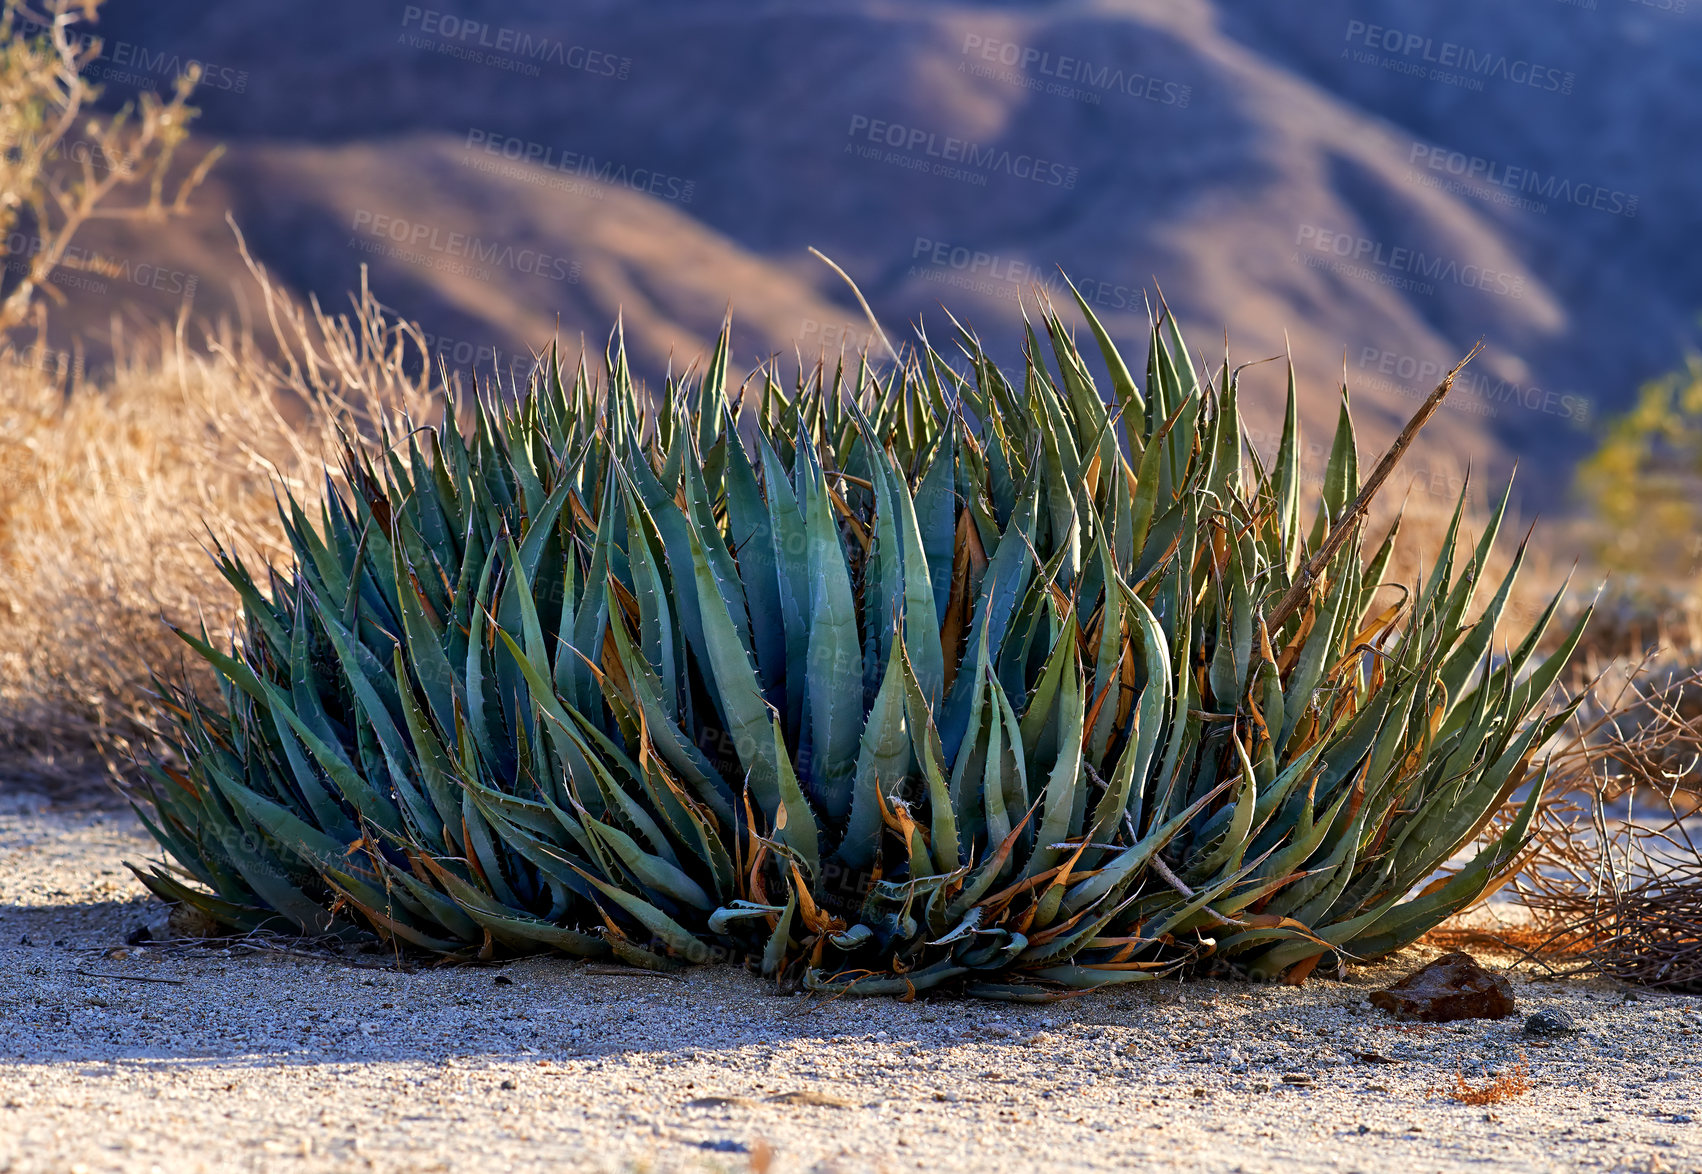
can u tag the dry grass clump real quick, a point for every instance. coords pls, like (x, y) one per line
(1616, 880)
(102, 494)
(109, 495)
(1515, 1082)
(99, 487)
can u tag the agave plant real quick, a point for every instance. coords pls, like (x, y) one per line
(913, 676)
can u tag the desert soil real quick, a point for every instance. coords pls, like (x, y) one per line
(203, 1057)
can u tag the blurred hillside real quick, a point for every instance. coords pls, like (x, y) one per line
(1385, 181)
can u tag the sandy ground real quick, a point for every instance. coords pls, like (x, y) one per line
(233, 1060)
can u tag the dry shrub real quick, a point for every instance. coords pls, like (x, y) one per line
(103, 492)
(1617, 876)
(1622, 891)
(110, 494)
(1515, 1082)
(47, 192)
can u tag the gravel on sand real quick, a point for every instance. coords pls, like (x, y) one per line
(203, 1057)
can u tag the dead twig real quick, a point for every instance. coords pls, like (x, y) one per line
(630, 972)
(323, 956)
(1343, 526)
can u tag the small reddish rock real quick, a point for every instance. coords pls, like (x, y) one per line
(1452, 987)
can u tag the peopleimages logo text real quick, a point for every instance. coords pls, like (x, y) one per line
(132, 64)
(1522, 179)
(1457, 58)
(580, 165)
(1407, 262)
(1069, 72)
(18, 248)
(996, 275)
(479, 356)
(481, 42)
(1492, 392)
(164, 63)
(416, 236)
(953, 157)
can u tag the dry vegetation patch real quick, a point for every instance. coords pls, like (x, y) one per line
(112, 495)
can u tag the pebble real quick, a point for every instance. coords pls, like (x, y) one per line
(1549, 1022)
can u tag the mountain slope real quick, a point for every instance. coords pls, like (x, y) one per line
(1276, 169)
